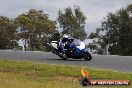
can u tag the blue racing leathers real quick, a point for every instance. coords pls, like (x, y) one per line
(62, 47)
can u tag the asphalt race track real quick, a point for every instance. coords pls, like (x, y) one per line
(117, 63)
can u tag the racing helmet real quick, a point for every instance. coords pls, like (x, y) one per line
(65, 38)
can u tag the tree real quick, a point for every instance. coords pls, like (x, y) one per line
(116, 32)
(73, 22)
(99, 44)
(92, 47)
(35, 29)
(8, 33)
(55, 35)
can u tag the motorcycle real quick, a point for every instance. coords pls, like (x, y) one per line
(72, 50)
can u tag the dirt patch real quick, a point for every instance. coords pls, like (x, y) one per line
(28, 72)
(66, 79)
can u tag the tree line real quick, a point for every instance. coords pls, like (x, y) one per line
(35, 29)
(114, 36)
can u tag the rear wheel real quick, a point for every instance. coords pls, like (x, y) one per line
(87, 56)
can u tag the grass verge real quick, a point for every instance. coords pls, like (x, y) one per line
(16, 74)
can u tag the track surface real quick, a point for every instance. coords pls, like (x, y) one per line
(117, 63)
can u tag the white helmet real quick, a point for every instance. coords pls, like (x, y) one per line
(65, 36)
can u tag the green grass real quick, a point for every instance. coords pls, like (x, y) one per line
(15, 74)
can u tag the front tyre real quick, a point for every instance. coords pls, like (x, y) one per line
(87, 56)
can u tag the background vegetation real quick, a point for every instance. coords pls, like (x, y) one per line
(115, 34)
(35, 30)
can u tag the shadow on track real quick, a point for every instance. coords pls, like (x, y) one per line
(68, 60)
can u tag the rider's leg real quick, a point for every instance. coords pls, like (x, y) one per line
(62, 50)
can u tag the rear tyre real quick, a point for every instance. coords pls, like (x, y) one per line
(87, 56)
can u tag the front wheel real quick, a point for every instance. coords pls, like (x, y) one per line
(87, 56)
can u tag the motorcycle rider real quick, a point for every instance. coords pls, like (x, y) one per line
(63, 44)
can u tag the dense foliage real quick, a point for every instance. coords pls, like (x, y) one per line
(35, 29)
(8, 33)
(115, 34)
(73, 22)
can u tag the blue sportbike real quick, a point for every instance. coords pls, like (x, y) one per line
(74, 49)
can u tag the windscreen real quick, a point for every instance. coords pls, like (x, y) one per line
(77, 42)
